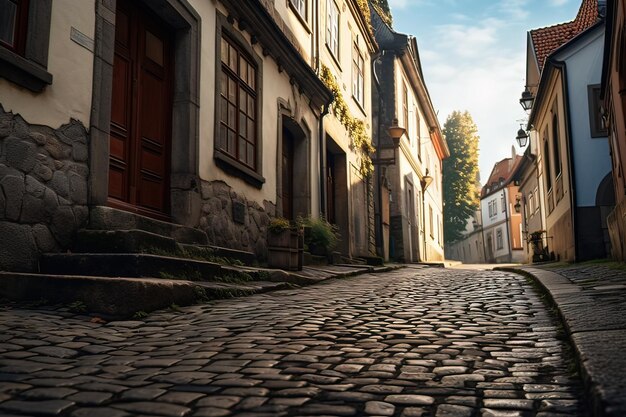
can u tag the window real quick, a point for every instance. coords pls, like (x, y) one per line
(358, 75)
(499, 241)
(405, 108)
(13, 24)
(531, 204)
(546, 162)
(299, 6)
(332, 28)
(596, 122)
(536, 193)
(503, 202)
(432, 225)
(418, 139)
(24, 40)
(555, 146)
(493, 208)
(238, 94)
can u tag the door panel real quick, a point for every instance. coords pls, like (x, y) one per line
(141, 111)
(287, 174)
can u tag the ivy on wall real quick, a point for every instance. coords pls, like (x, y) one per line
(360, 141)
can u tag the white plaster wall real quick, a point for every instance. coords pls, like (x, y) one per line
(591, 156)
(71, 66)
(275, 85)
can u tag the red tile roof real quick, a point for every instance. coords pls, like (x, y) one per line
(546, 40)
(502, 171)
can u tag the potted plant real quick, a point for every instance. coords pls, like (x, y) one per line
(284, 245)
(320, 237)
(536, 240)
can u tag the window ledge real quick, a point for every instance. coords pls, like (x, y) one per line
(237, 169)
(23, 72)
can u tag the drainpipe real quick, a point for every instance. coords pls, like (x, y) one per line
(322, 156)
(380, 243)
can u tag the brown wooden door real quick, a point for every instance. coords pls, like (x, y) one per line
(141, 109)
(287, 173)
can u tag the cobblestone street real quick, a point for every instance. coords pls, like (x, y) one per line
(414, 342)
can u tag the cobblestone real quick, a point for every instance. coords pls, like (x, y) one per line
(415, 342)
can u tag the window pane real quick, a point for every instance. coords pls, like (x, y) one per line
(8, 13)
(232, 59)
(232, 90)
(232, 116)
(243, 99)
(252, 77)
(243, 125)
(221, 139)
(224, 111)
(224, 84)
(224, 52)
(242, 149)
(251, 156)
(231, 142)
(243, 69)
(251, 130)
(250, 106)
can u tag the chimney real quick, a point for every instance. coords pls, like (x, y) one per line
(513, 157)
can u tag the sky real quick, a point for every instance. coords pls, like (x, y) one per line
(473, 55)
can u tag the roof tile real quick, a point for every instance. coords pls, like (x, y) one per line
(546, 40)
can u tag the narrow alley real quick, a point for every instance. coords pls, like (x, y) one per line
(414, 342)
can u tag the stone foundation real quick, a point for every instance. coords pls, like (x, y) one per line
(231, 220)
(43, 189)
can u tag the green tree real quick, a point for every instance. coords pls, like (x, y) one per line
(460, 171)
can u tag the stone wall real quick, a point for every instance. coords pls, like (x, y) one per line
(231, 220)
(43, 189)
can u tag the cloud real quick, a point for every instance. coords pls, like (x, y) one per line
(558, 3)
(514, 9)
(470, 67)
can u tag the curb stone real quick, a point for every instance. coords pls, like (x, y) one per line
(596, 330)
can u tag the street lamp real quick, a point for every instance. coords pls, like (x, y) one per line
(396, 132)
(426, 180)
(527, 100)
(522, 137)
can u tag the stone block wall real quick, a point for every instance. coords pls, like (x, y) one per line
(231, 220)
(43, 189)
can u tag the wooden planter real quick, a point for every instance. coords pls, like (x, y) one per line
(285, 249)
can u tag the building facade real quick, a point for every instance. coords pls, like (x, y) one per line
(613, 84)
(205, 114)
(573, 150)
(501, 223)
(412, 180)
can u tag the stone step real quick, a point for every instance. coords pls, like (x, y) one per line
(110, 297)
(108, 218)
(123, 241)
(129, 265)
(246, 258)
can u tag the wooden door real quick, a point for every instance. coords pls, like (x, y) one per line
(287, 174)
(141, 111)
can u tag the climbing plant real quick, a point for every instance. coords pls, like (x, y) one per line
(361, 142)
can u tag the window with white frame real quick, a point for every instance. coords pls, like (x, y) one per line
(332, 28)
(499, 240)
(503, 202)
(531, 204)
(300, 7)
(493, 208)
(358, 75)
(536, 194)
